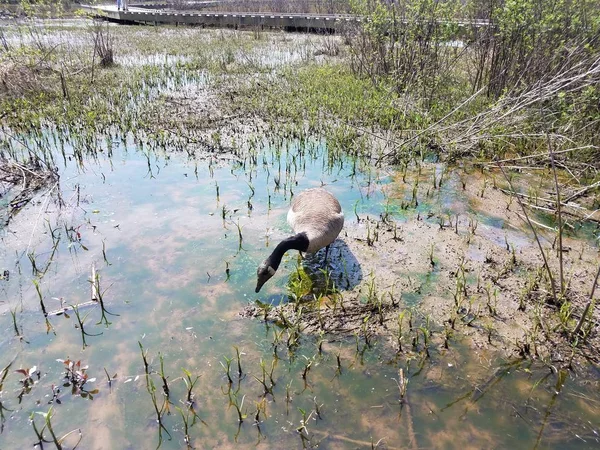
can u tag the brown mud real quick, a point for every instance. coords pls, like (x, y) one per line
(474, 269)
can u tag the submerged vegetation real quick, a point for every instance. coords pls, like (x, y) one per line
(463, 141)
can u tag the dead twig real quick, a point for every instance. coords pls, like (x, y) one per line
(583, 191)
(535, 234)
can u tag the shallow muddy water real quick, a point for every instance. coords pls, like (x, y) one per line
(175, 243)
(165, 278)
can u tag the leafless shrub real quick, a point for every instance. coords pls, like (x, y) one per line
(404, 42)
(25, 71)
(329, 46)
(103, 43)
(521, 115)
(495, 73)
(513, 113)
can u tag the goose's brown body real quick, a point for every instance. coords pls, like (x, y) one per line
(317, 213)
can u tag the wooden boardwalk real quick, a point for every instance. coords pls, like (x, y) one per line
(290, 22)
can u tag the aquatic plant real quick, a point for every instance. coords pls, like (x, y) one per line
(163, 377)
(586, 315)
(238, 405)
(151, 389)
(27, 381)
(110, 379)
(76, 377)
(189, 385)
(186, 426)
(267, 384)
(81, 325)
(54, 439)
(98, 295)
(18, 333)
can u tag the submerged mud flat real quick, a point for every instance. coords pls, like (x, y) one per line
(413, 336)
(177, 278)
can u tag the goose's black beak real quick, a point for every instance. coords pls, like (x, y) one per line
(263, 274)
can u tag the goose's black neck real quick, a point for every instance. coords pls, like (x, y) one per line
(297, 242)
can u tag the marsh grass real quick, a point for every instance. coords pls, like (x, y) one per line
(85, 112)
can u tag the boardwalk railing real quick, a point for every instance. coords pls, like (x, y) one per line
(157, 14)
(306, 22)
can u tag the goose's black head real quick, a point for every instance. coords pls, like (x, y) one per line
(270, 265)
(264, 273)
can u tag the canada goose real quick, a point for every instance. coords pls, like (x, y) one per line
(316, 218)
